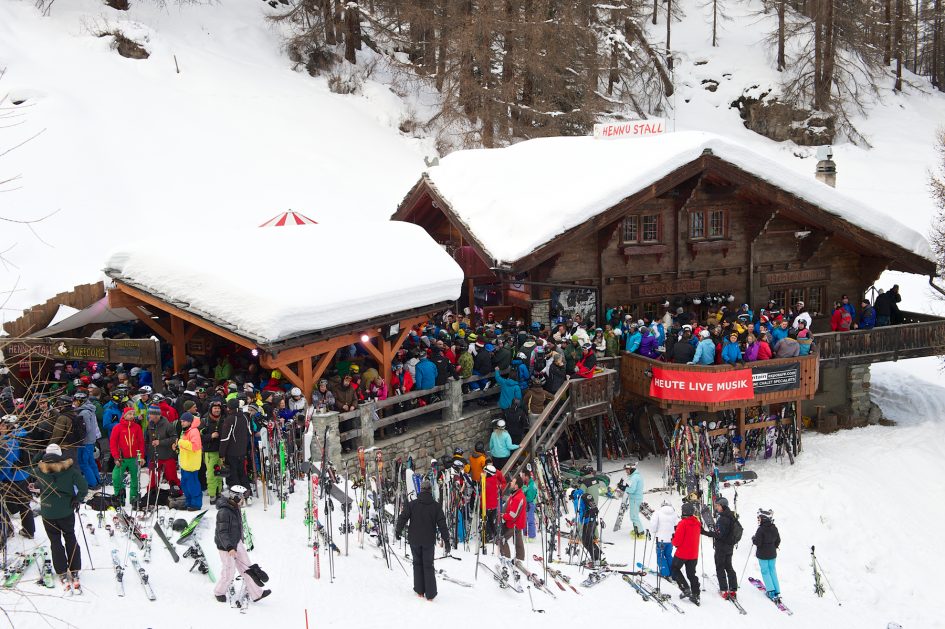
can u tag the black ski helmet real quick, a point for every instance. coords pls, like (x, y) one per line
(688, 509)
(179, 524)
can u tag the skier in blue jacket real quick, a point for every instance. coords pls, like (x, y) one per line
(632, 488)
(731, 351)
(634, 339)
(425, 374)
(705, 350)
(14, 479)
(500, 444)
(508, 390)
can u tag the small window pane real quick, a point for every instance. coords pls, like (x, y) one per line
(651, 228)
(778, 297)
(815, 299)
(630, 233)
(717, 224)
(696, 225)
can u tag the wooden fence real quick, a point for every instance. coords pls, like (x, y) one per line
(922, 335)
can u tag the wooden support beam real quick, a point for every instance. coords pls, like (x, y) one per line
(307, 383)
(155, 326)
(151, 300)
(290, 374)
(323, 362)
(373, 351)
(189, 334)
(320, 347)
(178, 344)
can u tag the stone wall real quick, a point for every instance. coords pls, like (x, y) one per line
(844, 398)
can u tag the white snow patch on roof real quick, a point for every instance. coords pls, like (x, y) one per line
(518, 198)
(317, 277)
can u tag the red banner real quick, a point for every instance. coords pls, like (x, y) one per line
(702, 386)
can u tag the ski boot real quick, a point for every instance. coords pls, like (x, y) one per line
(685, 593)
(76, 585)
(66, 584)
(695, 598)
(728, 595)
(637, 534)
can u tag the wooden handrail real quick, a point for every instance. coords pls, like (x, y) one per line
(907, 340)
(516, 454)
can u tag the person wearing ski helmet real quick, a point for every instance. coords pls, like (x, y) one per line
(686, 542)
(296, 401)
(724, 540)
(495, 485)
(423, 517)
(500, 445)
(632, 488)
(767, 540)
(228, 538)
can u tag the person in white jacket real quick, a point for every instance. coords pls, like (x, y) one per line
(662, 526)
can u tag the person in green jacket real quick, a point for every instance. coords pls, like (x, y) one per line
(62, 487)
(613, 343)
(531, 494)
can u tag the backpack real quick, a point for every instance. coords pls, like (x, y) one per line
(77, 432)
(846, 321)
(736, 534)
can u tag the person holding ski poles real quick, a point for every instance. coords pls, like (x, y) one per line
(425, 516)
(662, 526)
(632, 488)
(531, 495)
(686, 541)
(62, 488)
(727, 533)
(228, 539)
(513, 520)
(767, 540)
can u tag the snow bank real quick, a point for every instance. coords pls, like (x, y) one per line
(315, 276)
(518, 198)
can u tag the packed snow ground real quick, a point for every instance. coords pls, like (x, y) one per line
(868, 499)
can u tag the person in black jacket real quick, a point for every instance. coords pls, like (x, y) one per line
(234, 443)
(887, 307)
(228, 539)
(425, 517)
(210, 437)
(724, 545)
(683, 350)
(766, 540)
(557, 375)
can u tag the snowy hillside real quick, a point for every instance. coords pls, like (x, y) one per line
(132, 147)
(862, 497)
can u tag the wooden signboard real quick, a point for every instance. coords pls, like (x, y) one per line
(669, 287)
(799, 277)
(136, 352)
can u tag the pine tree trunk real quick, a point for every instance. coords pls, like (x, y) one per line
(782, 63)
(443, 38)
(669, 23)
(715, 19)
(887, 16)
(655, 8)
(634, 32)
(937, 44)
(329, 21)
(899, 16)
(352, 32)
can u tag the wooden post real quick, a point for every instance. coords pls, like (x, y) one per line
(600, 443)
(308, 384)
(740, 414)
(177, 343)
(471, 297)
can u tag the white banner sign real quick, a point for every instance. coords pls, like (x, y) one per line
(632, 129)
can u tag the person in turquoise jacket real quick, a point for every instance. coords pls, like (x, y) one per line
(508, 390)
(634, 339)
(705, 350)
(731, 351)
(500, 444)
(632, 487)
(531, 494)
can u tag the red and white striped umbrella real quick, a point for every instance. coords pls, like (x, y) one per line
(288, 219)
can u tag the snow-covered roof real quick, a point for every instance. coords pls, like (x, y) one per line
(515, 199)
(274, 284)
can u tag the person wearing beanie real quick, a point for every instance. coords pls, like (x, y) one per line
(210, 437)
(727, 533)
(477, 461)
(423, 517)
(191, 456)
(61, 489)
(867, 319)
(160, 438)
(234, 443)
(228, 538)
(127, 447)
(705, 350)
(686, 542)
(767, 540)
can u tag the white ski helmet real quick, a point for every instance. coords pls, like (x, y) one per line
(296, 392)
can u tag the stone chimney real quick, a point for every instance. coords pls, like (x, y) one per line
(826, 167)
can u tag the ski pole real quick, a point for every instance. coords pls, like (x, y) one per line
(86, 540)
(745, 568)
(820, 566)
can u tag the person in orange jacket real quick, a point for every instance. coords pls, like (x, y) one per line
(495, 484)
(477, 462)
(686, 542)
(191, 455)
(127, 447)
(514, 520)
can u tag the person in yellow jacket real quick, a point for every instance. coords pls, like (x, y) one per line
(191, 453)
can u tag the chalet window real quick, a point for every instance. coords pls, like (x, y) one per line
(644, 229)
(717, 223)
(631, 229)
(696, 225)
(797, 294)
(815, 299)
(651, 228)
(779, 297)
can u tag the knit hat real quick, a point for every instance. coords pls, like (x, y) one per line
(187, 417)
(233, 404)
(426, 485)
(722, 502)
(154, 408)
(189, 404)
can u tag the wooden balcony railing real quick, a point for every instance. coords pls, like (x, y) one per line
(637, 373)
(922, 335)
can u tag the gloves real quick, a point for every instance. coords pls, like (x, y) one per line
(75, 504)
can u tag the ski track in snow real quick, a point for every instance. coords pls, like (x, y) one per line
(869, 499)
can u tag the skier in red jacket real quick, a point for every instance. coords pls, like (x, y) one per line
(514, 521)
(127, 447)
(686, 542)
(495, 483)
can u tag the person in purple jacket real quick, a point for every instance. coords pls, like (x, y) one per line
(649, 344)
